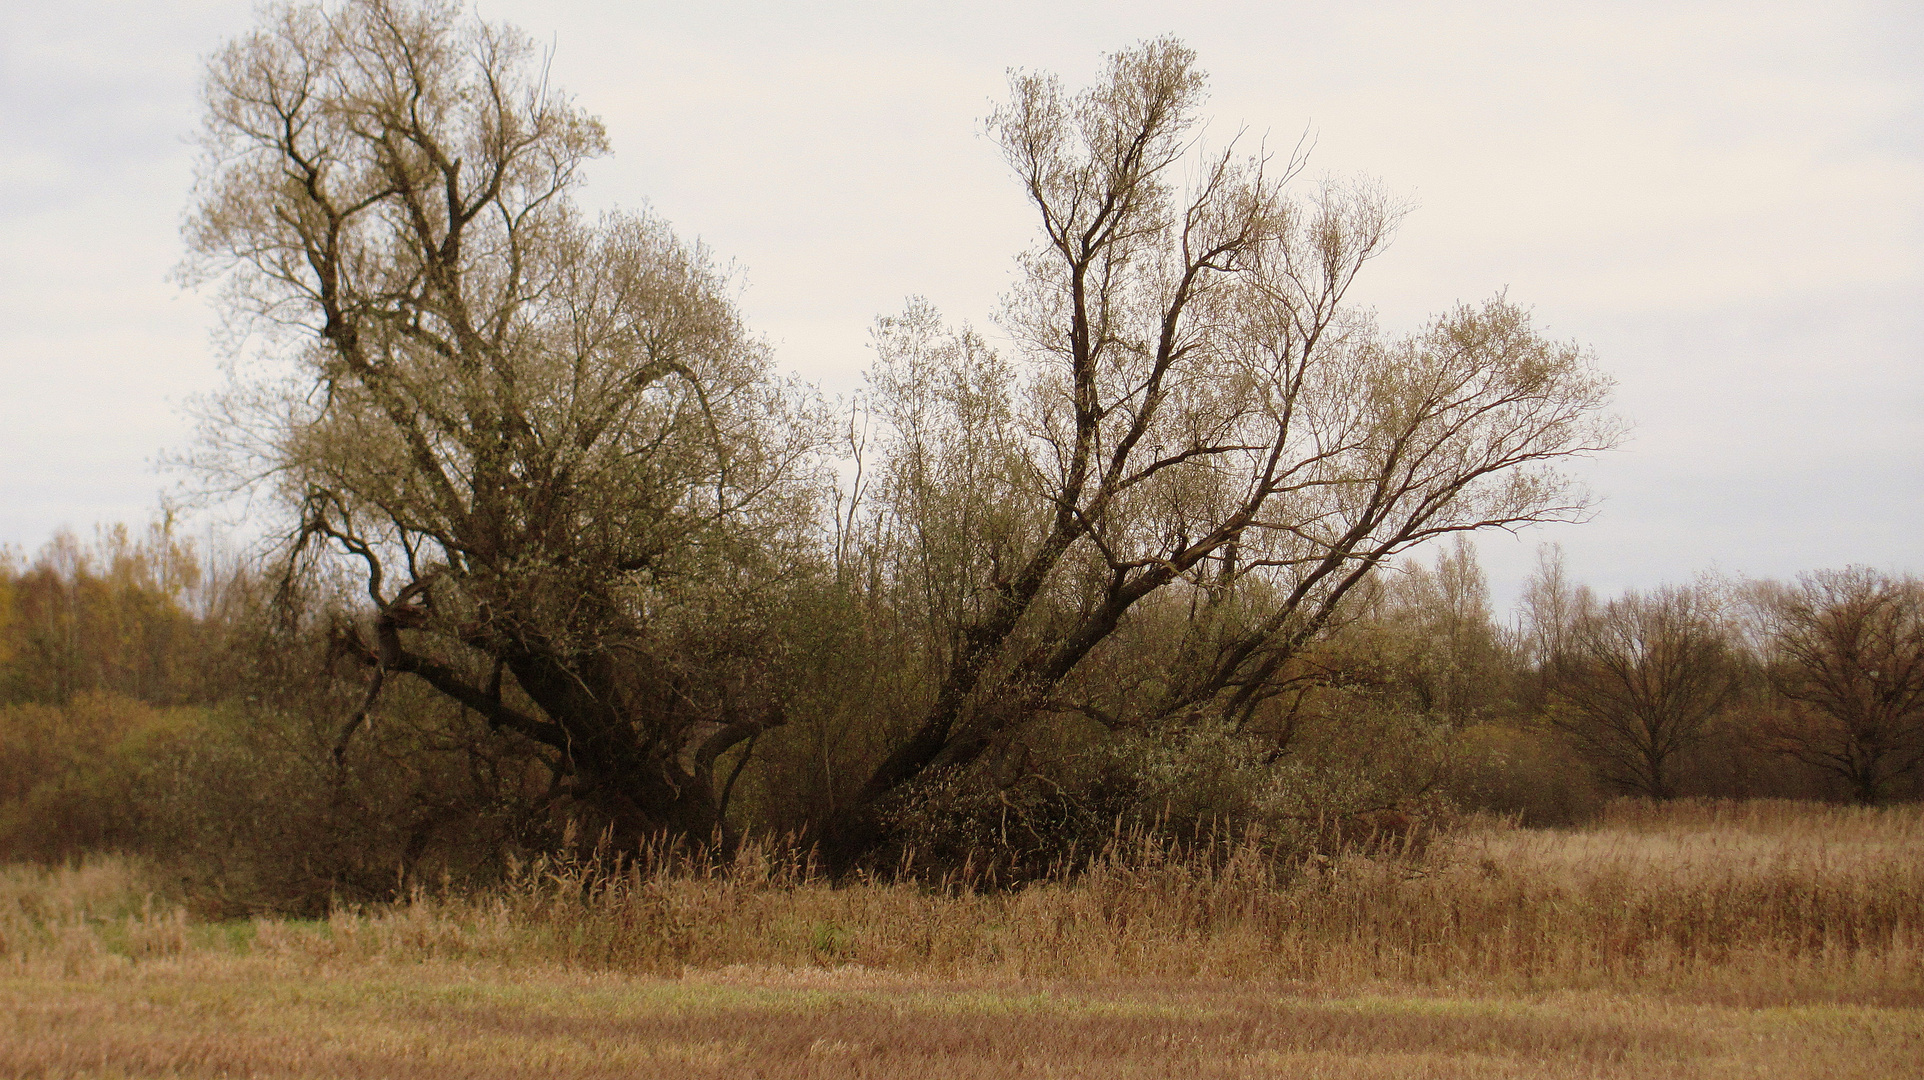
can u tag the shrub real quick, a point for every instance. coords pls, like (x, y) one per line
(1036, 811)
(75, 778)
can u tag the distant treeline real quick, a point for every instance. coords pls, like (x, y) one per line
(159, 701)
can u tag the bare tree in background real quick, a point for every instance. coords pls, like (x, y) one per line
(1195, 412)
(557, 459)
(1636, 681)
(1446, 643)
(1846, 649)
(1550, 605)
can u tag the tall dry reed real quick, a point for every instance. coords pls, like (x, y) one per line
(1721, 898)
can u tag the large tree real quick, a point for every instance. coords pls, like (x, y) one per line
(1193, 423)
(565, 475)
(555, 456)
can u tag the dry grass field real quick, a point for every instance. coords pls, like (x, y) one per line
(1692, 940)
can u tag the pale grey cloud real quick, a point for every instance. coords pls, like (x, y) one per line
(96, 347)
(1726, 200)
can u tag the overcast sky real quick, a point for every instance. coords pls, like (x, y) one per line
(1725, 200)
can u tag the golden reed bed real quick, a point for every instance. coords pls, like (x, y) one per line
(1695, 939)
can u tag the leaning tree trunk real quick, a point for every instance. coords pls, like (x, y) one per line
(642, 775)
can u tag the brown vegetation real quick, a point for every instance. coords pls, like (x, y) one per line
(1692, 938)
(1751, 901)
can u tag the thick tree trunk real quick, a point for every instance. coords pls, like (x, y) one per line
(638, 778)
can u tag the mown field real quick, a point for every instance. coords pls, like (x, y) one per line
(1712, 940)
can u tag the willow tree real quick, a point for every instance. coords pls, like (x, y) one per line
(555, 458)
(1192, 417)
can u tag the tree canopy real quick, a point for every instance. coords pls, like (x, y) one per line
(545, 439)
(579, 503)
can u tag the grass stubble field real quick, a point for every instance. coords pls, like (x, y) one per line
(1689, 940)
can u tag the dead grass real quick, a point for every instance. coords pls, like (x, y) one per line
(1768, 940)
(208, 1015)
